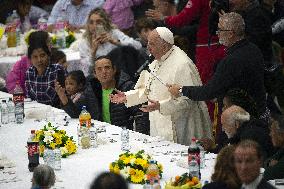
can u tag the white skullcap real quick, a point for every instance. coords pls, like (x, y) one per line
(165, 34)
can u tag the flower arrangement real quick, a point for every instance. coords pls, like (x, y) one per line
(51, 137)
(69, 39)
(133, 166)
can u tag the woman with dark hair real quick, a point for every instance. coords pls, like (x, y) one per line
(79, 94)
(41, 76)
(224, 175)
(109, 180)
(99, 39)
(17, 73)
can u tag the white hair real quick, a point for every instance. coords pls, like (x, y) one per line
(43, 176)
(239, 116)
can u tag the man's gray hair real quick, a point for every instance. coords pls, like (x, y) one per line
(235, 22)
(239, 115)
(43, 176)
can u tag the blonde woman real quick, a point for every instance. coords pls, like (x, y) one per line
(99, 39)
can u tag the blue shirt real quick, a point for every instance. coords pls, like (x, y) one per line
(76, 15)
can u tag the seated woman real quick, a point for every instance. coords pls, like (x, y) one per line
(99, 39)
(79, 94)
(224, 175)
(18, 72)
(43, 177)
(41, 76)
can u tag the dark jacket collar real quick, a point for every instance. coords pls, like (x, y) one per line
(237, 45)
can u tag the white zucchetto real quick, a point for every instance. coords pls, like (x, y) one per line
(165, 34)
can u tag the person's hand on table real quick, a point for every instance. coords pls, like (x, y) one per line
(152, 106)
(174, 89)
(118, 98)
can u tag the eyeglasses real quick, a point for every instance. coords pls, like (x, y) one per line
(219, 30)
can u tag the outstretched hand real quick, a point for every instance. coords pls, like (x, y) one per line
(118, 98)
(152, 106)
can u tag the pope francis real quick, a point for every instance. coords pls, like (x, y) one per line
(175, 119)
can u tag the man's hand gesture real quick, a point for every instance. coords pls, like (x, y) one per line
(118, 98)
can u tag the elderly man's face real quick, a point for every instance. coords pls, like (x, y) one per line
(223, 33)
(76, 2)
(154, 45)
(247, 164)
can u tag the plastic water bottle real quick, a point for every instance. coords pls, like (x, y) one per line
(152, 172)
(4, 112)
(125, 139)
(49, 157)
(42, 23)
(93, 137)
(194, 168)
(202, 155)
(60, 30)
(194, 158)
(57, 159)
(18, 98)
(17, 22)
(11, 108)
(85, 118)
(33, 151)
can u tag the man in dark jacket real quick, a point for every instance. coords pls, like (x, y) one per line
(239, 126)
(258, 26)
(107, 79)
(242, 68)
(248, 161)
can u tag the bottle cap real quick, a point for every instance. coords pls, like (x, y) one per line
(32, 131)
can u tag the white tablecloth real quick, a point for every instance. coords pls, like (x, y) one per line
(79, 170)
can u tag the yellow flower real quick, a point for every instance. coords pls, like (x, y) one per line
(126, 160)
(71, 147)
(116, 169)
(141, 162)
(137, 177)
(131, 171)
(63, 132)
(52, 145)
(122, 157)
(41, 149)
(58, 139)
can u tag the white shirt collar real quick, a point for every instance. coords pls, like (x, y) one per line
(253, 184)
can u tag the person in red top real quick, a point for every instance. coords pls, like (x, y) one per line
(206, 56)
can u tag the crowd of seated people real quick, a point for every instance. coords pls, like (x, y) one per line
(235, 63)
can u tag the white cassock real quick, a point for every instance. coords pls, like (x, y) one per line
(179, 119)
